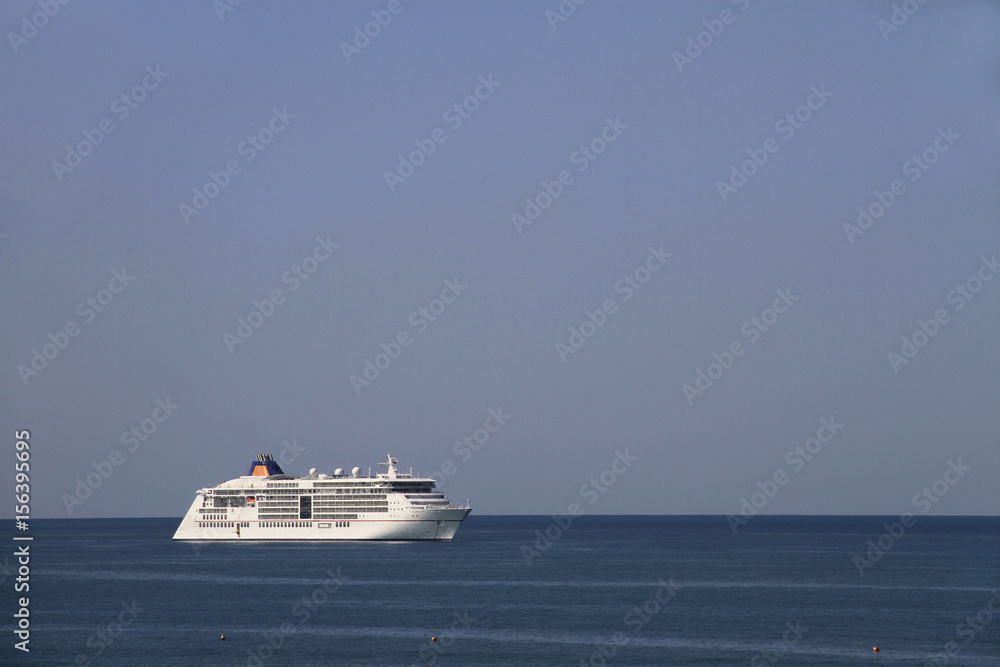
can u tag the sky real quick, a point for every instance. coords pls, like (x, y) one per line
(728, 257)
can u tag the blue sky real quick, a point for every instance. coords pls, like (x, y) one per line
(819, 109)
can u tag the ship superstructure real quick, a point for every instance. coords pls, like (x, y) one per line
(267, 504)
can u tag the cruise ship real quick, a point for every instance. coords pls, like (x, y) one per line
(267, 504)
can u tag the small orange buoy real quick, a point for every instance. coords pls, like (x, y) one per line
(223, 638)
(875, 648)
(434, 639)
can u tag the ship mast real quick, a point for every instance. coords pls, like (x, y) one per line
(391, 463)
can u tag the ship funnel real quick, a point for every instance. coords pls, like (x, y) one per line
(264, 466)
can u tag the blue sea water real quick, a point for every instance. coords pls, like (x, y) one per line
(619, 590)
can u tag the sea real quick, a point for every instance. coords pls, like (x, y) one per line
(519, 590)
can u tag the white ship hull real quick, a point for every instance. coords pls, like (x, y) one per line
(268, 505)
(432, 525)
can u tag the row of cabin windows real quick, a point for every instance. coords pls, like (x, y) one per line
(223, 524)
(285, 524)
(417, 488)
(272, 500)
(263, 524)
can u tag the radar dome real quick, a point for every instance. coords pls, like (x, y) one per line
(312, 471)
(338, 471)
(356, 471)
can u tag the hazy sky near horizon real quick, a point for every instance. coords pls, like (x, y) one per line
(694, 232)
